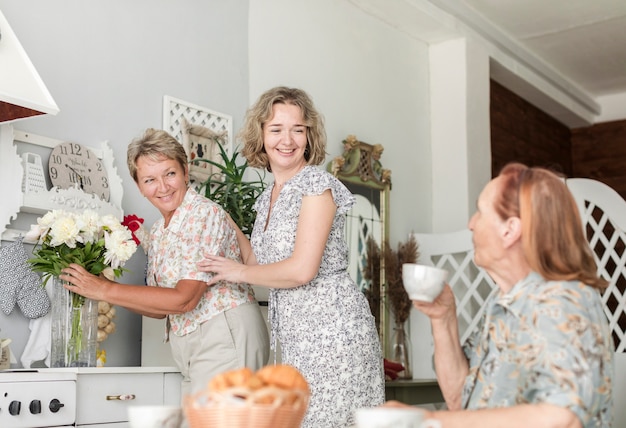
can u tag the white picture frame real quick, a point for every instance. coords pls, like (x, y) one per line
(197, 127)
(174, 110)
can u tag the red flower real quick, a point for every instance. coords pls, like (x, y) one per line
(133, 223)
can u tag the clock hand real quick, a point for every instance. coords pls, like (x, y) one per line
(80, 177)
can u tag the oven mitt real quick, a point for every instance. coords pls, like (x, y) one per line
(20, 284)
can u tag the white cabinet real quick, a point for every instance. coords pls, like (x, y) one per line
(93, 396)
(103, 394)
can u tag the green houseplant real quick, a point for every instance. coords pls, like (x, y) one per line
(232, 190)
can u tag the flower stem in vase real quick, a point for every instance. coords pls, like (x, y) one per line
(74, 328)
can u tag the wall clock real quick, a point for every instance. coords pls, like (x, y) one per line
(72, 164)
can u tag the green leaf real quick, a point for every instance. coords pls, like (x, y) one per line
(229, 189)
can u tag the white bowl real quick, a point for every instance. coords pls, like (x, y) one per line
(393, 417)
(155, 416)
(423, 282)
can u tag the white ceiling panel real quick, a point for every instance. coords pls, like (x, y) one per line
(585, 40)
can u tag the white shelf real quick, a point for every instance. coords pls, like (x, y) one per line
(72, 199)
(15, 201)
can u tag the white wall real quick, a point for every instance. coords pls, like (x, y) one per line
(613, 108)
(366, 78)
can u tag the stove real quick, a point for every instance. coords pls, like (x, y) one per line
(83, 396)
(37, 398)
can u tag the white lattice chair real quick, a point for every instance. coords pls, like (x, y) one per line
(603, 213)
(471, 286)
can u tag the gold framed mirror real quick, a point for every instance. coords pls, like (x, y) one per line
(367, 223)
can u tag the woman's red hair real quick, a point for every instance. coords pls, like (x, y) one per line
(553, 238)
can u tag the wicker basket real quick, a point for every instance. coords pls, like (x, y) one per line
(219, 411)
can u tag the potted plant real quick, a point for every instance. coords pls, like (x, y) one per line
(230, 188)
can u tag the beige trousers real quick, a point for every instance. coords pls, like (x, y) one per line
(233, 339)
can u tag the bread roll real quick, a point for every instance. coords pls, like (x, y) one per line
(229, 379)
(283, 376)
(279, 384)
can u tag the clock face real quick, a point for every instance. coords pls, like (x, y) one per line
(72, 164)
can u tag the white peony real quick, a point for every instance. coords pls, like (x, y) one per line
(45, 223)
(90, 226)
(65, 230)
(119, 246)
(112, 223)
(34, 233)
(109, 274)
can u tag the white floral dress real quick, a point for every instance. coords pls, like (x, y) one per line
(325, 327)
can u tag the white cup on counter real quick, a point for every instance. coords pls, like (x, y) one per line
(155, 416)
(393, 417)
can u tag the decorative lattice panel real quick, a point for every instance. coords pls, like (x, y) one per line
(601, 209)
(607, 243)
(471, 286)
(174, 110)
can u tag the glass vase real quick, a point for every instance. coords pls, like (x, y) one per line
(401, 351)
(74, 328)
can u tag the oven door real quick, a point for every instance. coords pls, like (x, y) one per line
(30, 402)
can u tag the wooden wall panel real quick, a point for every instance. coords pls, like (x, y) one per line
(520, 132)
(599, 152)
(523, 133)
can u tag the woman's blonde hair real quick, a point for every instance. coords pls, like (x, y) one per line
(553, 238)
(155, 144)
(251, 135)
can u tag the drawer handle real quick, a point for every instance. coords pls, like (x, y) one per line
(123, 397)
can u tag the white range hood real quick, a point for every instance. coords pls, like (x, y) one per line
(22, 92)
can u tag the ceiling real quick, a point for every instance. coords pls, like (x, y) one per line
(583, 40)
(563, 56)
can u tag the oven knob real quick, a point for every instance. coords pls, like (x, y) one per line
(15, 407)
(55, 405)
(35, 407)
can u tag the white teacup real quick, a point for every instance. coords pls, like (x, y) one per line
(393, 417)
(423, 282)
(155, 416)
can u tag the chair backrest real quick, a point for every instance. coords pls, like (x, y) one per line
(603, 213)
(470, 284)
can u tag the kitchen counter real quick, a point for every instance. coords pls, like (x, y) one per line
(104, 370)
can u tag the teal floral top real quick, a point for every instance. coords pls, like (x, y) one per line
(543, 342)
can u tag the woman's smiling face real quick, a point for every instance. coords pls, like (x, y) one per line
(285, 137)
(163, 182)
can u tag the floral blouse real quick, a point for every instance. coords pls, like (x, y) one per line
(543, 342)
(199, 227)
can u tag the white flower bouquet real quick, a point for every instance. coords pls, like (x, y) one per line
(100, 244)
